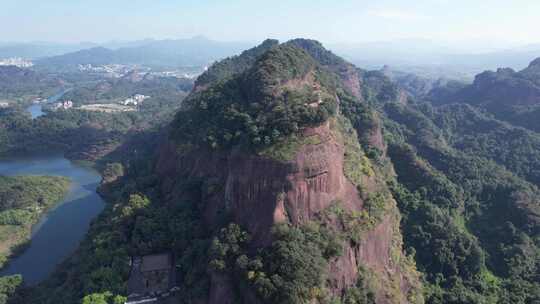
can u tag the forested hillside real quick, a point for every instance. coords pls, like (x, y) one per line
(512, 96)
(235, 239)
(22, 84)
(467, 189)
(289, 175)
(160, 89)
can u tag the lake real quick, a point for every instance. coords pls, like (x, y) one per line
(58, 234)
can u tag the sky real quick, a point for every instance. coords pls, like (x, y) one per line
(465, 23)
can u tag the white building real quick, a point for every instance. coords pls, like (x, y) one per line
(140, 97)
(135, 100)
(16, 61)
(4, 104)
(67, 104)
(130, 101)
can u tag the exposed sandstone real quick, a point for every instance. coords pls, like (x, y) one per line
(260, 192)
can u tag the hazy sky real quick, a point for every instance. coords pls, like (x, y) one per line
(504, 22)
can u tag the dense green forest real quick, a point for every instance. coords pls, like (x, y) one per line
(21, 85)
(472, 224)
(256, 108)
(78, 132)
(465, 178)
(23, 200)
(137, 221)
(229, 67)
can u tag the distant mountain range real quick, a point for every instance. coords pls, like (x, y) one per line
(421, 57)
(161, 53)
(431, 60)
(195, 51)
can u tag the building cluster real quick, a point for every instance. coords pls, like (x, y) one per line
(108, 70)
(121, 70)
(135, 100)
(177, 73)
(16, 61)
(66, 104)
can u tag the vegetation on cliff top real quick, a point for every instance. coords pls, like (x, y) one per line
(275, 98)
(235, 65)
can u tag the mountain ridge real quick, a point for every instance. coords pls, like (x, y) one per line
(159, 53)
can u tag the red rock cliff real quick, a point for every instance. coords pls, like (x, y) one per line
(260, 192)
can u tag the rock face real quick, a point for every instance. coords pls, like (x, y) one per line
(259, 192)
(262, 192)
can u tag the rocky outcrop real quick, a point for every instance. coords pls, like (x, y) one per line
(504, 87)
(351, 80)
(260, 192)
(305, 171)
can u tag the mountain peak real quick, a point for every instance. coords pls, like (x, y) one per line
(234, 65)
(535, 63)
(257, 98)
(317, 51)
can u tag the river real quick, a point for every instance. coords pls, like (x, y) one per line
(36, 110)
(58, 234)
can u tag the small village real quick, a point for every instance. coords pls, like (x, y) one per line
(16, 61)
(109, 70)
(129, 104)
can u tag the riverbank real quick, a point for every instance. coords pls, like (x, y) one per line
(59, 230)
(24, 200)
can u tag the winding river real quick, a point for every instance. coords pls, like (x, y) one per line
(58, 234)
(36, 110)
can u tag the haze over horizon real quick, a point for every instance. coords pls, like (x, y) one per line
(457, 25)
